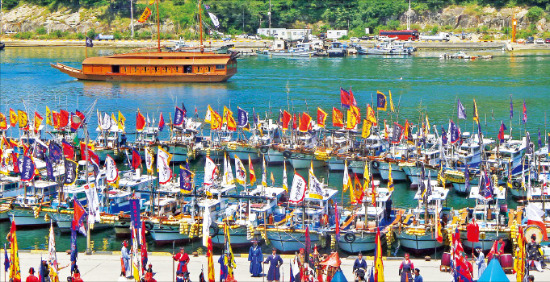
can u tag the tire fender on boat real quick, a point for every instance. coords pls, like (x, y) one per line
(214, 229)
(516, 184)
(264, 149)
(148, 226)
(375, 164)
(287, 154)
(349, 237)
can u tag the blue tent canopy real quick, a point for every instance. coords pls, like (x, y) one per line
(339, 277)
(493, 273)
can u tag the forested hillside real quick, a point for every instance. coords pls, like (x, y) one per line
(238, 16)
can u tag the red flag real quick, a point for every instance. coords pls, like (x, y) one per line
(286, 119)
(321, 117)
(68, 150)
(15, 162)
(294, 122)
(344, 98)
(56, 119)
(91, 154)
(305, 122)
(63, 118)
(161, 122)
(37, 121)
(472, 232)
(352, 98)
(140, 121)
(136, 159)
(337, 221)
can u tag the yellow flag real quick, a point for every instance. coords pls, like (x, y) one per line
(13, 118)
(151, 2)
(49, 118)
(208, 116)
(23, 119)
(145, 15)
(3, 122)
(390, 180)
(427, 125)
(476, 116)
(391, 102)
(352, 120)
(121, 121)
(366, 129)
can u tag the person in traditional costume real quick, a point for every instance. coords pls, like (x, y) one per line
(255, 257)
(275, 261)
(497, 250)
(32, 277)
(405, 269)
(183, 259)
(125, 259)
(534, 257)
(480, 261)
(223, 267)
(359, 267)
(316, 264)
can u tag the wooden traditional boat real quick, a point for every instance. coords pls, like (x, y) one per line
(157, 66)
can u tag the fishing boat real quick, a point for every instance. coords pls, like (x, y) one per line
(157, 66)
(337, 49)
(301, 50)
(27, 212)
(360, 228)
(388, 47)
(417, 234)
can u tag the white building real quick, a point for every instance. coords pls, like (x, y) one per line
(336, 34)
(285, 34)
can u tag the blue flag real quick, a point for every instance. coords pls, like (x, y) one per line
(184, 110)
(443, 136)
(511, 107)
(186, 177)
(178, 116)
(56, 153)
(486, 186)
(242, 117)
(381, 101)
(256, 117)
(6, 259)
(49, 169)
(27, 169)
(135, 213)
(454, 131)
(540, 140)
(460, 110)
(74, 248)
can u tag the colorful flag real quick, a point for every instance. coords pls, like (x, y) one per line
(63, 118)
(356, 194)
(501, 132)
(145, 15)
(344, 98)
(13, 118)
(3, 122)
(240, 171)
(321, 117)
(454, 131)
(378, 262)
(390, 179)
(79, 215)
(346, 181)
(337, 118)
(71, 172)
(140, 121)
(28, 169)
(352, 98)
(143, 243)
(178, 116)
(68, 150)
(136, 159)
(534, 216)
(286, 119)
(111, 174)
(371, 116)
(121, 121)
(391, 102)
(294, 122)
(351, 120)
(15, 271)
(210, 256)
(210, 172)
(305, 123)
(227, 178)
(216, 121)
(163, 166)
(264, 173)
(337, 222)
(161, 122)
(251, 172)
(242, 117)
(381, 101)
(524, 113)
(476, 115)
(37, 121)
(511, 107)
(285, 178)
(315, 186)
(186, 179)
(397, 133)
(461, 111)
(298, 189)
(23, 119)
(366, 132)
(228, 119)
(6, 259)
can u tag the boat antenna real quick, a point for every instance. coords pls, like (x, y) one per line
(200, 25)
(158, 27)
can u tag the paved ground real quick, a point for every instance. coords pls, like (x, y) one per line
(104, 267)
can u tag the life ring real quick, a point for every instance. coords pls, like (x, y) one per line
(516, 184)
(149, 226)
(375, 164)
(349, 237)
(264, 149)
(214, 229)
(165, 148)
(287, 154)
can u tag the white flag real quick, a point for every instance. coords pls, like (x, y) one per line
(285, 178)
(106, 122)
(52, 251)
(114, 124)
(227, 172)
(93, 202)
(315, 187)
(149, 160)
(206, 222)
(240, 171)
(210, 170)
(264, 173)
(111, 170)
(298, 190)
(163, 166)
(215, 20)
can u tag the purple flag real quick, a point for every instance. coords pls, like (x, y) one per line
(27, 169)
(461, 110)
(454, 131)
(178, 116)
(511, 107)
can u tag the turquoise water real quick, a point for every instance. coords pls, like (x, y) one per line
(421, 83)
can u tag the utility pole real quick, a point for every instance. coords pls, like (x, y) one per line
(269, 14)
(409, 17)
(132, 16)
(243, 19)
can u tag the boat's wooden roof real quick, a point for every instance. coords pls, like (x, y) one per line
(160, 59)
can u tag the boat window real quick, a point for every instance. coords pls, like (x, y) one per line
(220, 67)
(116, 69)
(187, 69)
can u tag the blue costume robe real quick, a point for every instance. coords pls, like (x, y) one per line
(125, 258)
(255, 257)
(273, 272)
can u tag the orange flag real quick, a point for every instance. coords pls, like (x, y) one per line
(337, 118)
(251, 172)
(305, 122)
(145, 15)
(321, 117)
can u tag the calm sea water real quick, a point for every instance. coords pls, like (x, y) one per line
(422, 83)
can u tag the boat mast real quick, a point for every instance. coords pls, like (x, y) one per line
(200, 25)
(158, 27)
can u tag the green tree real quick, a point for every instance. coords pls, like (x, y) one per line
(535, 14)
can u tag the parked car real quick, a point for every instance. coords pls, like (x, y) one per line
(547, 41)
(539, 41)
(100, 37)
(530, 39)
(354, 39)
(226, 39)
